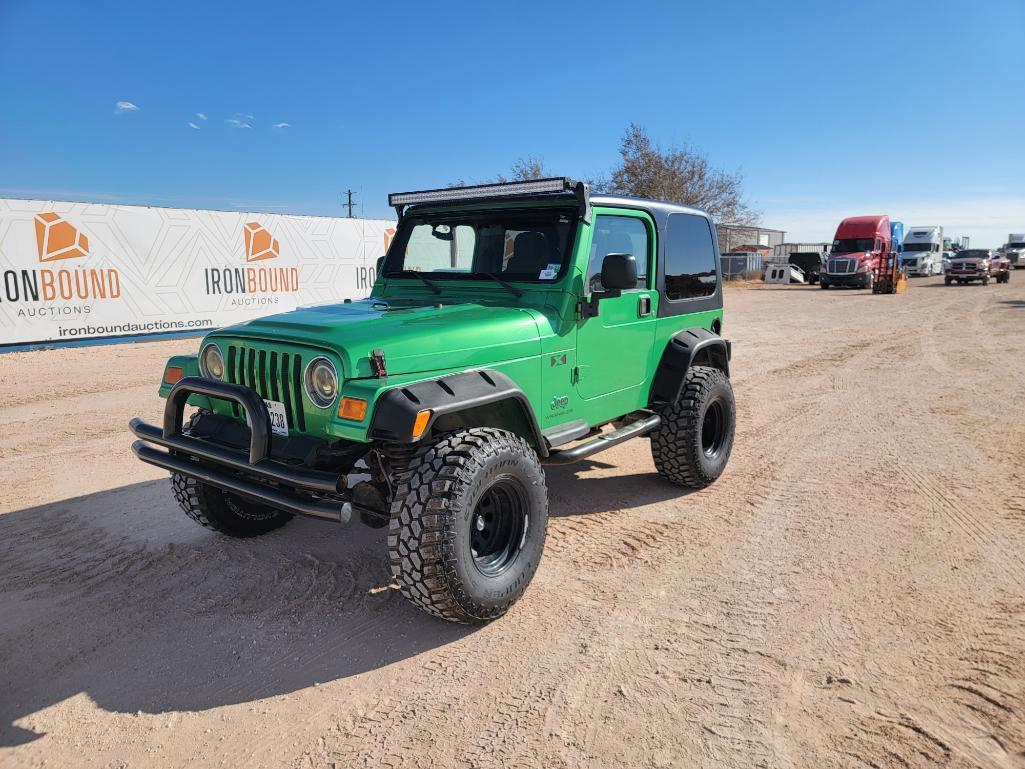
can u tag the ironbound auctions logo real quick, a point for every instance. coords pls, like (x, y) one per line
(58, 240)
(260, 245)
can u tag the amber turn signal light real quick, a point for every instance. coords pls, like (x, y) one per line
(173, 374)
(422, 418)
(352, 408)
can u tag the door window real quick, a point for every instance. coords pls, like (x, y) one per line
(690, 258)
(618, 235)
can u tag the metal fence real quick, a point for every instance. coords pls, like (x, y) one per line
(741, 265)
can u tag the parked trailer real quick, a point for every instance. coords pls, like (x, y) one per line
(810, 257)
(923, 251)
(1015, 250)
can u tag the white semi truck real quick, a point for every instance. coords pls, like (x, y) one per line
(1015, 250)
(923, 251)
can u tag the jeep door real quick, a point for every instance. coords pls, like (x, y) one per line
(613, 348)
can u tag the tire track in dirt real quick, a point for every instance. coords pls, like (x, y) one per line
(943, 500)
(805, 611)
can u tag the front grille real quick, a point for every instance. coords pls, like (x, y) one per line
(910, 262)
(275, 376)
(842, 266)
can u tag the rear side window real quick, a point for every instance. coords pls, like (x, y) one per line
(690, 258)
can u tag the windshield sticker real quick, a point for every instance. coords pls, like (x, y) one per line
(549, 272)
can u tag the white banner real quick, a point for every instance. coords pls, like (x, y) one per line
(72, 271)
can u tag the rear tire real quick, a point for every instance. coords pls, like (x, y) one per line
(823, 284)
(692, 445)
(468, 524)
(223, 511)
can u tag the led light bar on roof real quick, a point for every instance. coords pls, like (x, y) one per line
(483, 191)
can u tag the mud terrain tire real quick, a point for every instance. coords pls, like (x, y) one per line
(223, 511)
(468, 524)
(693, 443)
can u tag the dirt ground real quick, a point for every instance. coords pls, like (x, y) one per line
(850, 593)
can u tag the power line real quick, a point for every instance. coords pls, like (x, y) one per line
(349, 204)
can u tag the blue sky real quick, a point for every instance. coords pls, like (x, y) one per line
(828, 109)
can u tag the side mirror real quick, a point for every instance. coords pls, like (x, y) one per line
(619, 272)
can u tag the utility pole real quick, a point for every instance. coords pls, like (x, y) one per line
(350, 204)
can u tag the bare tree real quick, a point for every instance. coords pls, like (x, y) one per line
(525, 169)
(678, 174)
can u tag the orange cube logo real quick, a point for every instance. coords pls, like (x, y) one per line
(259, 243)
(389, 233)
(58, 239)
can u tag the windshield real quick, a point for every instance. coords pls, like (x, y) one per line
(1016, 245)
(917, 247)
(516, 245)
(849, 245)
(972, 254)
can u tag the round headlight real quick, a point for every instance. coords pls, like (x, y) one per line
(211, 362)
(321, 382)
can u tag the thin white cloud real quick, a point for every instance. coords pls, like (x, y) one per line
(282, 125)
(201, 116)
(240, 120)
(193, 125)
(125, 106)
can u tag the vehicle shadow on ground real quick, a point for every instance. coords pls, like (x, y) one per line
(571, 495)
(1020, 303)
(119, 596)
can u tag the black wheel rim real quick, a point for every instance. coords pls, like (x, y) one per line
(498, 526)
(713, 429)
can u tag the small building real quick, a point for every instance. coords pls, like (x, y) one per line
(745, 237)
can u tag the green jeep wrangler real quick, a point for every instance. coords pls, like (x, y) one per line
(509, 324)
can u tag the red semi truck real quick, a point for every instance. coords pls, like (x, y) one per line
(860, 249)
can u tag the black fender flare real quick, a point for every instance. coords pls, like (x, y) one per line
(690, 347)
(484, 397)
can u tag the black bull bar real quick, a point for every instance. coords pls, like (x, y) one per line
(296, 490)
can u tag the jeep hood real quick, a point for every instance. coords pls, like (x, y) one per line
(415, 337)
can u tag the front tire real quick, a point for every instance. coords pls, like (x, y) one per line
(947, 281)
(694, 441)
(468, 524)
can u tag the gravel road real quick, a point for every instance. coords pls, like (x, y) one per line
(851, 593)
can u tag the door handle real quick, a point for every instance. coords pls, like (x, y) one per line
(644, 306)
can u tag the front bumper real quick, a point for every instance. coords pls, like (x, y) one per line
(963, 275)
(258, 476)
(856, 279)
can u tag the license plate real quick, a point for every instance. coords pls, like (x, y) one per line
(278, 418)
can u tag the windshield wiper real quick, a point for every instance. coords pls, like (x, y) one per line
(507, 286)
(414, 274)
